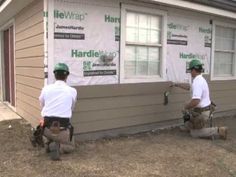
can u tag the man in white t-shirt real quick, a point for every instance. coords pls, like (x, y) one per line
(199, 107)
(57, 101)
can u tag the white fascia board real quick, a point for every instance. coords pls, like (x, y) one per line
(4, 5)
(198, 7)
(10, 8)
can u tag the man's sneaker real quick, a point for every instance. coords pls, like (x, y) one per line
(223, 131)
(54, 150)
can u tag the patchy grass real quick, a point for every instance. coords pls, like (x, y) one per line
(167, 153)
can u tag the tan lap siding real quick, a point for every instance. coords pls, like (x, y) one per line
(29, 46)
(116, 106)
(224, 94)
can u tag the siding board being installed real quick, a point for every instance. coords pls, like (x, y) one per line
(125, 122)
(116, 106)
(223, 94)
(29, 60)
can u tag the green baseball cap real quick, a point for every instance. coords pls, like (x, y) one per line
(61, 67)
(195, 64)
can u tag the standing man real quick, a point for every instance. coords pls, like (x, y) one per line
(199, 106)
(57, 101)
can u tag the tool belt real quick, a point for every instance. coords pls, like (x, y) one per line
(56, 124)
(200, 110)
(64, 122)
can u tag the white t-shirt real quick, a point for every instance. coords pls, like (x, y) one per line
(200, 90)
(58, 100)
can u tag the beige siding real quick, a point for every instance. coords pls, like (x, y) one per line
(223, 93)
(115, 106)
(29, 46)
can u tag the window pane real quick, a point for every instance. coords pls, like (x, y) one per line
(130, 53)
(143, 21)
(155, 37)
(224, 44)
(142, 68)
(143, 35)
(154, 61)
(142, 61)
(223, 64)
(224, 38)
(154, 54)
(153, 68)
(143, 28)
(155, 29)
(142, 53)
(131, 34)
(131, 27)
(224, 32)
(131, 19)
(130, 61)
(130, 68)
(155, 22)
(143, 45)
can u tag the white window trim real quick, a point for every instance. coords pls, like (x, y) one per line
(217, 23)
(124, 9)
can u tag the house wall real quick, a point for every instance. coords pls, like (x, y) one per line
(223, 94)
(100, 107)
(109, 107)
(116, 106)
(29, 57)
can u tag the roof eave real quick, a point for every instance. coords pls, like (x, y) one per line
(12, 8)
(184, 4)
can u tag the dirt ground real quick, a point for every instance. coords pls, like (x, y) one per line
(165, 153)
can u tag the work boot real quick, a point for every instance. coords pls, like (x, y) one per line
(47, 148)
(223, 131)
(54, 148)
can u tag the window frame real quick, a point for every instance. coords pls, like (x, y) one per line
(145, 10)
(225, 25)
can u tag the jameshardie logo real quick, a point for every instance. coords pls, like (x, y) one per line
(109, 56)
(191, 56)
(71, 15)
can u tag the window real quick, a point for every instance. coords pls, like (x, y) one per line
(143, 46)
(224, 52)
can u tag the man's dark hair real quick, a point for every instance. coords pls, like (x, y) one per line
(61, 75)
(198, 69)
